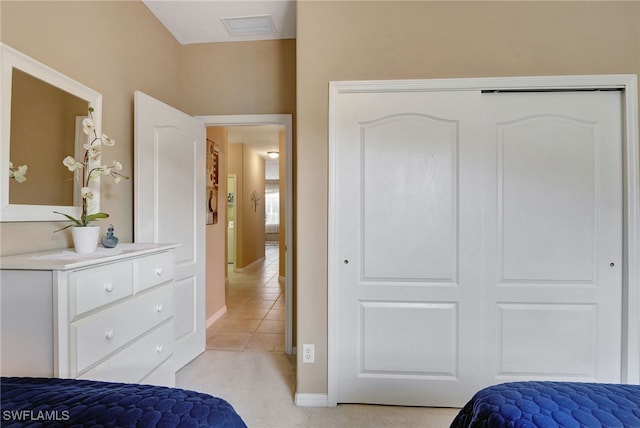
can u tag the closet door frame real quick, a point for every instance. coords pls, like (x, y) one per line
(627, 84)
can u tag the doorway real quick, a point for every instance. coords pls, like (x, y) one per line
(284, 120)
(231, 221)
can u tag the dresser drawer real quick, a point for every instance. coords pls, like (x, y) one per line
(138, 360)
(101, 334)
(92, 288)
(154, 270)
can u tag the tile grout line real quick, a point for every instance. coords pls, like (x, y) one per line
(244, 289)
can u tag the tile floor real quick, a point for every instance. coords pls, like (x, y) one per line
(255, 315)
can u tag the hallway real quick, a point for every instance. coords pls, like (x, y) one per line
(255, 315)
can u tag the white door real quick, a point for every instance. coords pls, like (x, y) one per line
(552, 212)
(169, 206)
(408, 237)
(450, 209)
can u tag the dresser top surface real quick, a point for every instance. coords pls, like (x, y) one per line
(67, 258)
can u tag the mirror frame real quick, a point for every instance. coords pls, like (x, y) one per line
(13, 59)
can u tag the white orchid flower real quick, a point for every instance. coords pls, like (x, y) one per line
(72, 164)
(107, 141)
(112, 170)
(19, 173)
(88, 171)
(94, 151)
(86, 193)
(87, 125)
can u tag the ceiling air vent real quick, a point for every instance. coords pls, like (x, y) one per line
(249, 25)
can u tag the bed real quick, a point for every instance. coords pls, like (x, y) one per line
(552, 404)
(39, 402)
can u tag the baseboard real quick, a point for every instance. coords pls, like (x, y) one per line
(216, 316)
(261, 259)
(312, 400)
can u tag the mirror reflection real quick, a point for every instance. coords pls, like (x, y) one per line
(41, 131)
(45, 125)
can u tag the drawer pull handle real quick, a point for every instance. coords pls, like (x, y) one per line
(109, 334)
(159, 308)
(159, 349)
(159, 271)
(108, 287)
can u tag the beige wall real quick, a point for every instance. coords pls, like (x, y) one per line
(253, 214)
(239, 78)
(216, 233)
(114, 48)
(249, 222)
(361, 40)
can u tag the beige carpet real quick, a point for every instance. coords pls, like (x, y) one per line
(260, 386)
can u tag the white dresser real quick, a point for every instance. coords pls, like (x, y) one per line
(103, 316)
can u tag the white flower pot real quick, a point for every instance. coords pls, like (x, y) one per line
(85, 239)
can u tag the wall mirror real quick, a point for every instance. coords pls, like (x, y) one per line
(41, 114)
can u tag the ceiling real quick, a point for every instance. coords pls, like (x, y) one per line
(203, 21)
(261, 139)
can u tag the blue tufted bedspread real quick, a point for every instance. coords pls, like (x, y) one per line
(552, 404)
(40, 402)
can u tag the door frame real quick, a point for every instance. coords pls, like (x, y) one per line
(627, 83)
(286, 121)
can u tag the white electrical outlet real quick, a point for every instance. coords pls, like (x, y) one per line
(308, 353)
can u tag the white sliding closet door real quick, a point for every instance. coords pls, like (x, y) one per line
(552, 217)
(479, 238)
